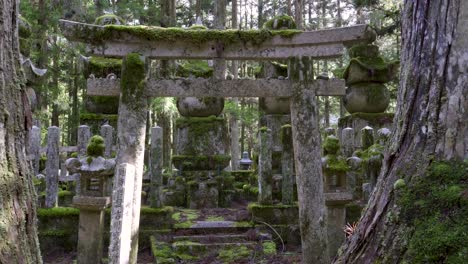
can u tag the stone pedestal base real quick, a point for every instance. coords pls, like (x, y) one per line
(91, 227)
(358, 121)
(336, 207)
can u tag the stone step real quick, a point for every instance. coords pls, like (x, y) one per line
(190, 251)
(215, 227)
(215, 238)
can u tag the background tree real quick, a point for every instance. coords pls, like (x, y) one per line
(18, 233)
(418, 211)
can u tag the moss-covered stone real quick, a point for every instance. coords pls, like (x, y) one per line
(57, 212)
(101, 67)
(233, 255)
(96, 146)
(275, 214)
(373, 119)
(434, 207)
(132, 83)
(364, 50)
(170, 35)
(280, 23)
(200, 162)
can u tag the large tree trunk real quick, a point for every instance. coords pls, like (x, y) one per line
(430, 123)
(18, 234)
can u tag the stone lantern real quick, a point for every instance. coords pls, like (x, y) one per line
(245, 162)
(92, 198)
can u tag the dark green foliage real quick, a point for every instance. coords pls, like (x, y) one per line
(331, 145)
(95, 147)
(365, 3)
(436, 208)
(42, 162)
(280, 22)
(336, 164)
(374, 150)
(92, 116)
(195, 68)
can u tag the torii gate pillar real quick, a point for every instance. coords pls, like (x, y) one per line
(309, 178)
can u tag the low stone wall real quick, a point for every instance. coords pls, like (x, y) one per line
(58, 227)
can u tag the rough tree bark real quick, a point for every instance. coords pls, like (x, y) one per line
(430, 120)
(18, 233)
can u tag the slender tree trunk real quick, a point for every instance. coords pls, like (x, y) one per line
(18, 230)
(198, 9)
(233, 121)
(430, 123)
(42, 50)
(298, 13)
(289, 8)
(260, 13)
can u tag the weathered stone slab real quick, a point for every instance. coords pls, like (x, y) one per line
(122, 198)
(265, 177)
(117, 43)
(84, 134)
(35, 147)
(52, 166)
(156, 153)
(217, 88)
(107, 133)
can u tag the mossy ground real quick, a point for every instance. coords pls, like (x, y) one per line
(435, 208)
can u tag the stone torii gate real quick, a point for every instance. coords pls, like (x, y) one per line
(135, 44)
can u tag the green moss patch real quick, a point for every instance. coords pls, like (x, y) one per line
(101, 67)
(156, 211)
(374, 119)
(335, 164)
(372, 151)
(96, 146)
(170, 35)
(269, 248)
(58, 212)
(232, 255)
(331, 145)
(435, 208)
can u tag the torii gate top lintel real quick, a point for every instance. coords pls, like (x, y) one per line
(159, 43)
